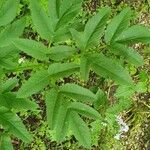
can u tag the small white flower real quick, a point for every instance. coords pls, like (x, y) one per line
(117, 136)
(104, 124)
(137, 46)
(123, 127)
(21, 60)
(120, 120)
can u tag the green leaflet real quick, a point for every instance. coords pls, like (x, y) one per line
(148, 2)
(10, 101)
(13, 123)
(78, 37)
(121, 105)
(59, 70)
(101, 99)
(53, 10)
(61, 52)
(9, 85)
(125, 91)
(84, 68)
(113, 111)
(3, 110)
(52, 107)
(8, 51)
(5, 142)
(41, 20)
(11, 31)
(109, 68)
(35, 83)
(68, 10)
(62, 122)
(84, 109)
(35, 49)
(80, 130)
(94, 28)
(128, 53)
(54, 25)
(117, 25)
(8, 11)
(8, 63)
(62, 34)
(134, 34)
(96, 127)
(77, 92)
(63, 12)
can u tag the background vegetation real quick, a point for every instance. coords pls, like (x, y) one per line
(132, 130)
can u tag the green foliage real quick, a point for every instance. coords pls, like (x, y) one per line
(77, 92)
(84, 110)
(61, 52)
(8, 85)
(11, 31)
(53, 25)
(84, 68)
(117, 25)
(8, 11)
(69, 106)
(13, 123)
(10, 101)
(109, 68)
(61, 70)
(128, 53)
(93, 30)
(62, 122)
(80, 130)
(53, 102)
(36, 83)
(40, 20)
(134, 34)
(5, 142)
(32, 48)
